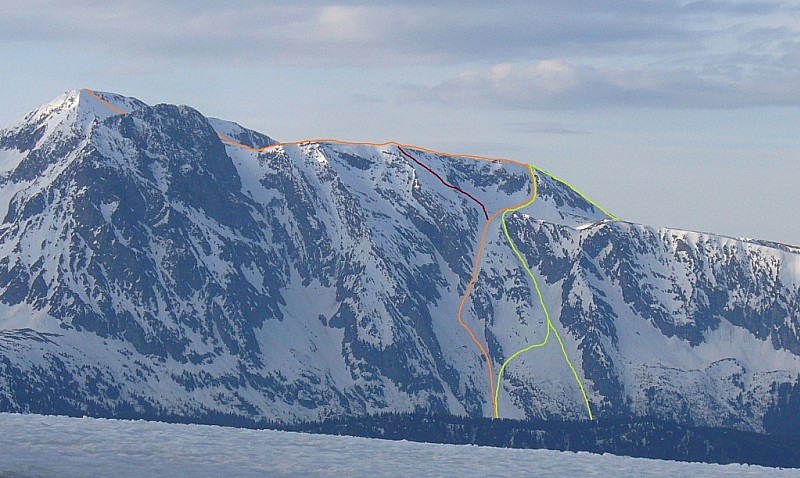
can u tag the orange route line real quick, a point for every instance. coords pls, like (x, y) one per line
(481, 244)
(268, 147)
(474, 278)
(109, 105)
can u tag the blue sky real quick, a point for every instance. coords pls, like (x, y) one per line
(670, 113)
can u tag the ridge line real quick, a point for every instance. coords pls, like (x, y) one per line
(279, 144)
(578, 191)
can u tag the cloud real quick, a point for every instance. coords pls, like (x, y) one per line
(555, 84)
(358, 33)
(521, 54)
(236, 32)
(542, 127)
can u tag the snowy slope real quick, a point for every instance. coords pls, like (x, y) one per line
(149, 268)
(34, 445)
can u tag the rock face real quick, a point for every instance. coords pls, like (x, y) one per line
(150, 267)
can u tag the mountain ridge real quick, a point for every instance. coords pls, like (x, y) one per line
(178, 268)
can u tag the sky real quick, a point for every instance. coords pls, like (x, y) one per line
(681, 114)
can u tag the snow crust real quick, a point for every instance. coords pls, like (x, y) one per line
(36, 445)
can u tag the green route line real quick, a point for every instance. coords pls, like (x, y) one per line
(550, 325)
(578, 191)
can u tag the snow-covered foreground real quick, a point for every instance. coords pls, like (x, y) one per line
(35, 445)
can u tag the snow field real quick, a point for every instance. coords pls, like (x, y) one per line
(37, 445)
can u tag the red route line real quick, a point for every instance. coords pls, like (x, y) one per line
(475, 270)
(412, 158)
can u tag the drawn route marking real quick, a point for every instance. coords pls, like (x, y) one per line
(109, 105)
(494, 391)
(548, 322)
(412, 158)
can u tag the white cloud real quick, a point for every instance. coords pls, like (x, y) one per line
(543, 54)
(339, 22)
(346, 31)
(555, 84)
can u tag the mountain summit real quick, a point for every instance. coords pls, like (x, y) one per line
(157, 263)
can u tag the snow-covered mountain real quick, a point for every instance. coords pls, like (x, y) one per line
(158, 263)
